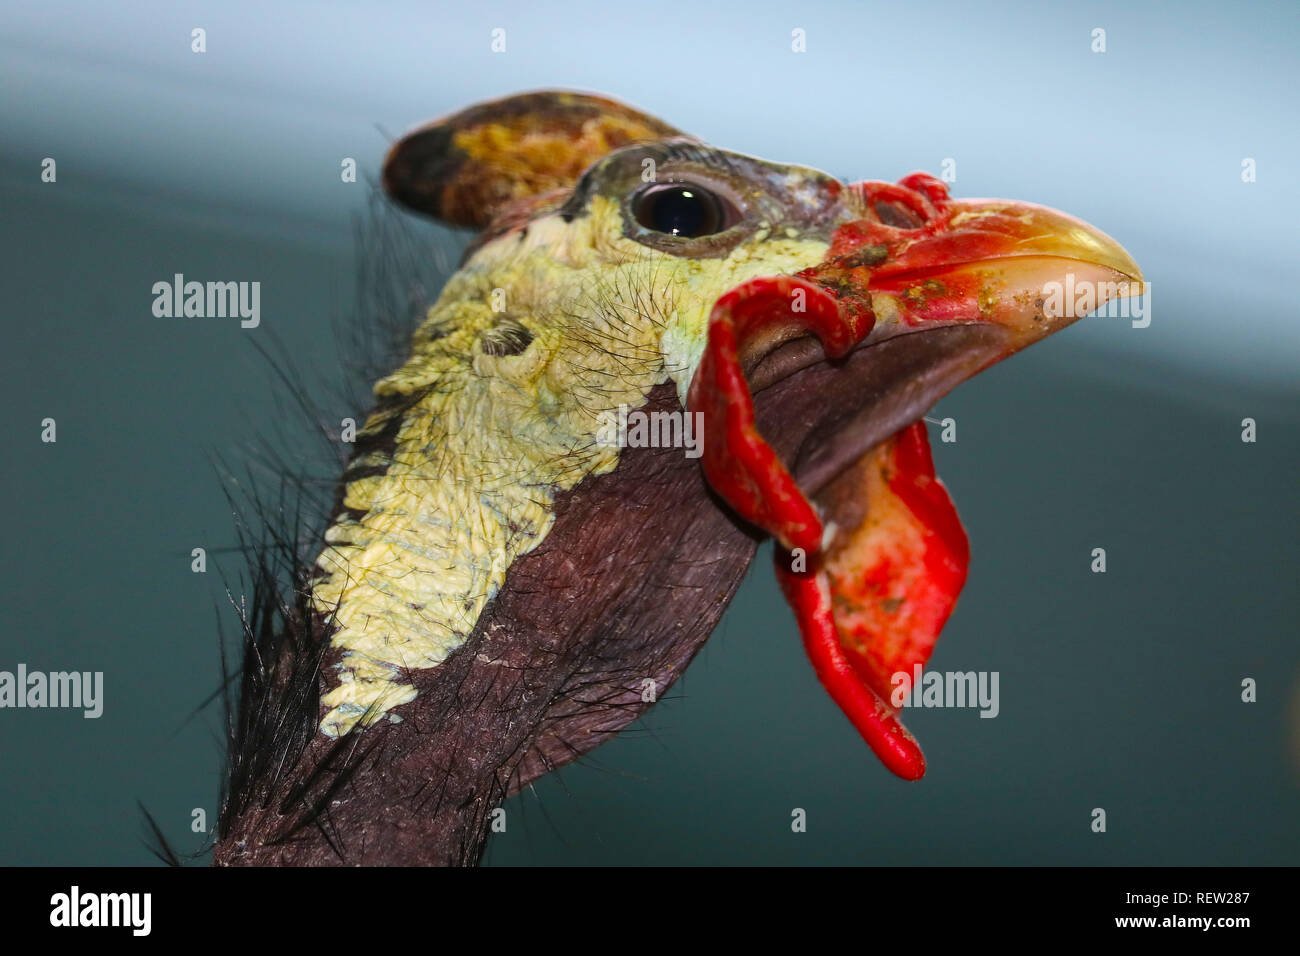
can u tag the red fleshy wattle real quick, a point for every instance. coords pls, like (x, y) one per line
(738, 462)
(896, 577)
(810, 598)
(916, 561)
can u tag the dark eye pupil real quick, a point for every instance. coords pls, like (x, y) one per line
(680, 210)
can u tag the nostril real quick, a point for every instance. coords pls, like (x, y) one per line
(897, 215)
(935, 190)
(900, 205)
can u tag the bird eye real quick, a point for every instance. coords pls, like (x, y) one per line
(683, 209)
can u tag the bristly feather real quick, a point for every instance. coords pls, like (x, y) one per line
(282, 506)
(402, 265)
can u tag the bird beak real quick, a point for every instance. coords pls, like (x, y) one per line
(995, 263)
(917, 293)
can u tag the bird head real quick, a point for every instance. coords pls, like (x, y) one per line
(656, 353)
(630, 255)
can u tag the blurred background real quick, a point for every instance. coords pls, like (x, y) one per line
(1119, 690)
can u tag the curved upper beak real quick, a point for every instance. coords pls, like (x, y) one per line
(1003, 262)
(959, 286)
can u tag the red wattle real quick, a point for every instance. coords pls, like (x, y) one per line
(809, 596)
(740, 465)
(895, 577)
(873, 605)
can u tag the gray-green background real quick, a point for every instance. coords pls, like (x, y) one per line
(1118, 690)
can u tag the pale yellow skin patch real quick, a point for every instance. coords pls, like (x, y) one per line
(481, 454)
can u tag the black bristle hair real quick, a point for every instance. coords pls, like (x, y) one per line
(282, 505)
